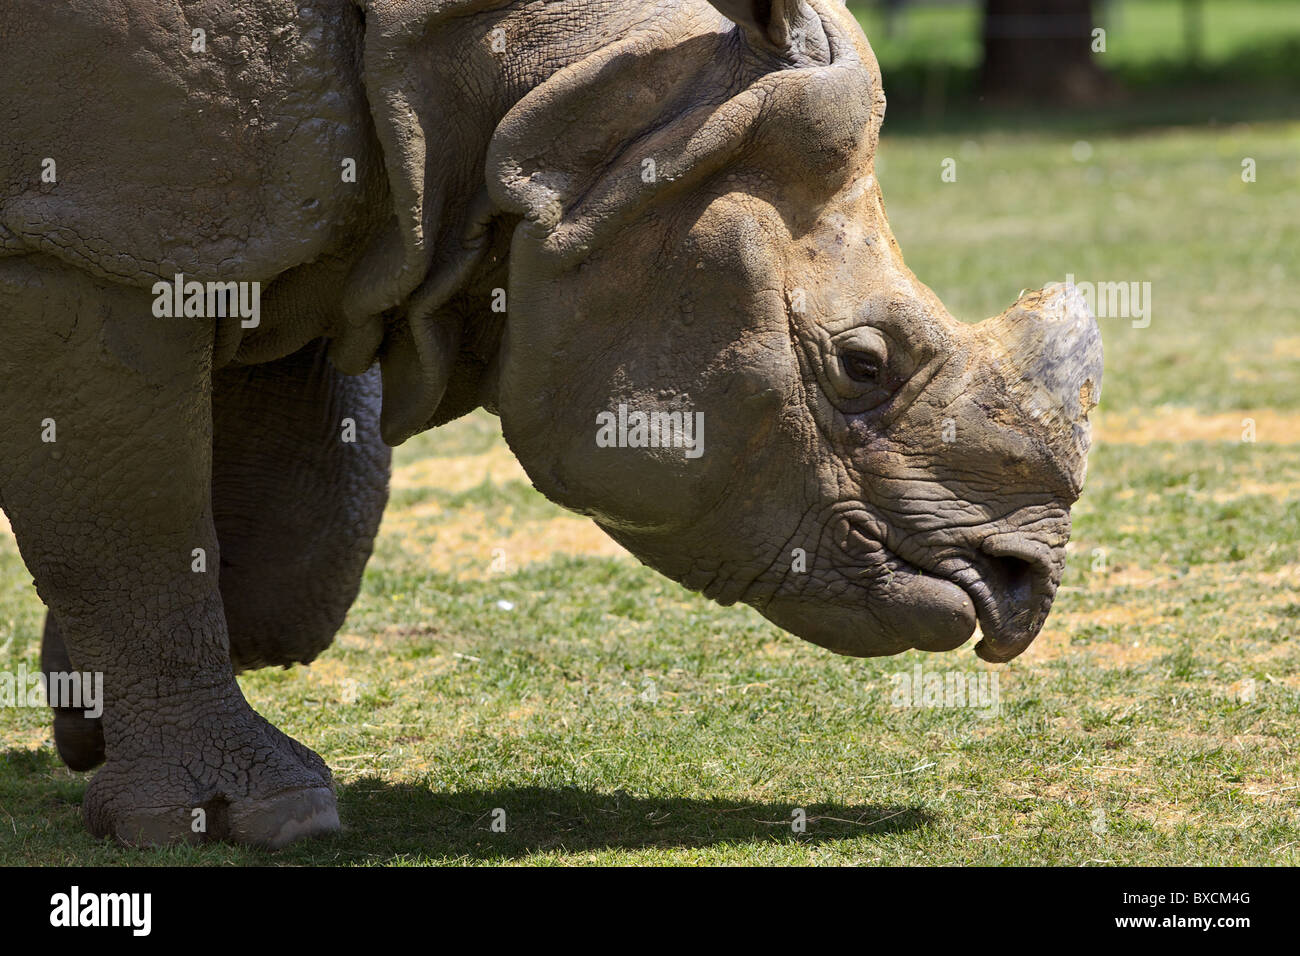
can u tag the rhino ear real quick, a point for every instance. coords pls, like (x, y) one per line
(639, 122)
(592, 148)
(786, 27)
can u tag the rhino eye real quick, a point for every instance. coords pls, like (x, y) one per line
(856, 369)
(861, 367)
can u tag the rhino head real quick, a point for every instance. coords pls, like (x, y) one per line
(702, 269)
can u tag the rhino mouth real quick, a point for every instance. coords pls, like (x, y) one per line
(1010, 581)
(1012, 585)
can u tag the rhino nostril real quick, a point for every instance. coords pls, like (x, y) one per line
(1015, 577)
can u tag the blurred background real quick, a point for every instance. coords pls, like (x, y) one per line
(1131, 61)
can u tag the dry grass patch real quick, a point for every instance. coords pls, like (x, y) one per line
(1167, 423)
(477, 544)
(461, 472)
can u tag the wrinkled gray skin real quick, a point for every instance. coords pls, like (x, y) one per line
(925, 467)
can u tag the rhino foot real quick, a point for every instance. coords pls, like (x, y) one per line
(248, 784)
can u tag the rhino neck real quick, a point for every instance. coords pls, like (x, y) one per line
(482, 60)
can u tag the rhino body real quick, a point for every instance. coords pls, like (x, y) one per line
(661, 211)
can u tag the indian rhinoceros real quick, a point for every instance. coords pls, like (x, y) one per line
(409, 209)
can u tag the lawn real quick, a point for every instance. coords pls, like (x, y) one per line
(507, 662)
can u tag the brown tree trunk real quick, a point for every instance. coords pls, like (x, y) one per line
(1041, 50)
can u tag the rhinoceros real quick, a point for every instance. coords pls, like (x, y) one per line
(246, 248)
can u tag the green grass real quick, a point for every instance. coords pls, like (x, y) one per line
(616, 718)
(1168, 208)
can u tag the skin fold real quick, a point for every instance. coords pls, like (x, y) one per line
(558, 210)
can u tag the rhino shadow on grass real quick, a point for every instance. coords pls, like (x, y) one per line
(388, 821)
(388, 818)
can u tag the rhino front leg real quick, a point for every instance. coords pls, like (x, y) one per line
(105, 463)
(300, 480)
